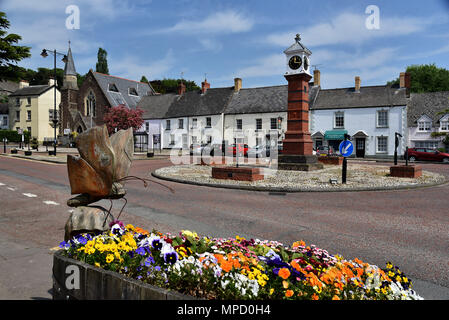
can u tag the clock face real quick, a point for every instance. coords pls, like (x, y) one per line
(306, 63)
(295, 62)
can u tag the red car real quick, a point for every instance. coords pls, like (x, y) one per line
(427, 154)
(243, 148)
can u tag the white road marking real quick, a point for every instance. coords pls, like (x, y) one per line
(29, 195)
(2, 184)
(51, 202)
(11, 188)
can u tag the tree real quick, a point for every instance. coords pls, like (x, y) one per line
(171, 85)
(102, 63)
(10, 53)
(120, 117)
(426, 78)
(144, 79)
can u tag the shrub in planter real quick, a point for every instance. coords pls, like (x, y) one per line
(14, 151)
(217, 268)
(28, 153)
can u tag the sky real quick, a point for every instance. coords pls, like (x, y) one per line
(221, 40)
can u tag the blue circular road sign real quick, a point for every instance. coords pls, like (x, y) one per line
(346, 148)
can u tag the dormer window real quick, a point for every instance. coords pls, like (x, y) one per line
(444, 123)
(112, 87)
(424, 125)
(132, 92)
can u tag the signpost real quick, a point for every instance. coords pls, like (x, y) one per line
(346, 149)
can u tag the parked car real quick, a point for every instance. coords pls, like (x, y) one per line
(211, 148)
(425, 154)
(324, 151)
(197, 149)
(259, 152)
(244, 149)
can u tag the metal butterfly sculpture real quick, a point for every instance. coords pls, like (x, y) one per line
(102, 167)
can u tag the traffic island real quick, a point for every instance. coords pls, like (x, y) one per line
(403, 171)
(237, 173)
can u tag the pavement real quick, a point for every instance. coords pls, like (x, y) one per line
(409, 227)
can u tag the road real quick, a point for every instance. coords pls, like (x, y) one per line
(408, 227)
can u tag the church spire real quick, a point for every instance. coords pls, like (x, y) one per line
(69, 68)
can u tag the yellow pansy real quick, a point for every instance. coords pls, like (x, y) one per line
(109, 258)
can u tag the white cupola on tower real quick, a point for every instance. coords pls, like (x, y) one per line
(297, 58)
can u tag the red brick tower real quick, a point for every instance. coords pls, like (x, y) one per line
(297, 151)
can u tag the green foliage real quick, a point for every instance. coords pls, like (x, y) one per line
(102, 63)
(426, 78)
(10, 52)
(171, 85)
(144, 79)
(13, 136)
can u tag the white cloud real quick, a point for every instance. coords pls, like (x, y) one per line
(348, 28)
(221, 22)
(273, 64)
(130, 67)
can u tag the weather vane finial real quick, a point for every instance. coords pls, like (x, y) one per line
(298, 37)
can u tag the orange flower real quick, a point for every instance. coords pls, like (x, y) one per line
(284, 273)
(285, 284)
(314, 297)
(236, 263)
(335, 297)
(298, 243)
(288, 293)
(295, 265)
(140, 230)
(226, 265)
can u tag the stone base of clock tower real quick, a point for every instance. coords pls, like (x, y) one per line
(297, 153)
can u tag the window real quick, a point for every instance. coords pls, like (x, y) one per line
(424, 125)
(209, 139)
(273, 123)
(194, 123)
(90, 105)
(194, 139)
(258, 124)
(147, 126)
(382, 144)
(239, 124)
(17, 115)
(17, 102)
(444, 125)
(5, 121)
(28, 115)
(172, 139)
(339, 120)
(132, 92)
(208, 122)
(29, 130)
(167, 125)
(112, 87)
(28, 100)
(426, 144)
(180, 123)
(382, 118)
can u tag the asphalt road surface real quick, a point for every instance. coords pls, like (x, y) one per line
(410, 228)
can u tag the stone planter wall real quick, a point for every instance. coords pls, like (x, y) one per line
(406, 171)
(234, 173)
(76, 280)
(331, 160)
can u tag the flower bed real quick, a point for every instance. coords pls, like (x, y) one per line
(212, 268)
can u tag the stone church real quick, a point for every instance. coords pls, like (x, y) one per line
(85, 106)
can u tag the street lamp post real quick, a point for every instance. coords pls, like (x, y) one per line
(55, 118)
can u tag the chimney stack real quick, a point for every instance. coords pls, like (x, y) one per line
(181, 89)
(204, 86)
(404, 80)
(357, 84)
(51, 81)
(237, 84)
(316, 77)
(23, 84)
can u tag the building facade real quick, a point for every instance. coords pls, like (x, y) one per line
(31, 108)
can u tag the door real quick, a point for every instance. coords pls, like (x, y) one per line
(184, 141)
(360, 147)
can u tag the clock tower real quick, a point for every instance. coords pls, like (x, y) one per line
(297, 153)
